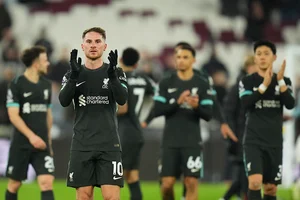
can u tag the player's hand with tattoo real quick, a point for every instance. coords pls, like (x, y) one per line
(113, 61)
(193, 101)
(75, 64)
(183, 96)
(37, 142)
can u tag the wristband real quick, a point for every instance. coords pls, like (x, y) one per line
(262, 87)
(281, 82)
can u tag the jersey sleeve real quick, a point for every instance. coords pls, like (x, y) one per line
(150, 87)
(162, 105)
(287, 98)
(119, 87)
(67, 90)
(205, 108)
(231, 102)
(50, 96)
(12, 99)
(247, 95)
(122, 77)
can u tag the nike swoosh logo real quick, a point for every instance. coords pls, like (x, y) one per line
(116, 178)
(194, 170)
(27, 94)
(255, 89)
(170, 90)
(78, 84)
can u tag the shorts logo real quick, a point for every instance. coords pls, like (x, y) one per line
(279, 174)
(105, 83)
(249, 166)
(116, 178)
(71, 177)
(117, 170)
(10, 169)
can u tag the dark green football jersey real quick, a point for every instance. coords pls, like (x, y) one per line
(139, 86)
(95, 126)
(33, 99)
(264, 111)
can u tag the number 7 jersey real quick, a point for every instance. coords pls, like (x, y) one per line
(139, 86)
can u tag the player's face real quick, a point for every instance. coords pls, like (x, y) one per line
(93, 45)
(264, 57)
(184, 60)
(43, 63)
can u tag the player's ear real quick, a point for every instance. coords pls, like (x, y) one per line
(274, 58)
(82, 47)
(105, 46)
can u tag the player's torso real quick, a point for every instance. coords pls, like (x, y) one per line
(34, 99)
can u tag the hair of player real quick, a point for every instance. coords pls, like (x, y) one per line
(95, 29)
(130, 57)
(182, 43)
(248, 62)
(30, 54)
(189, 48)
(265, 43)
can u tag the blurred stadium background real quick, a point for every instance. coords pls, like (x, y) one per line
(222, 31)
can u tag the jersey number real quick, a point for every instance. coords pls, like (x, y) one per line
(117, 168)
(49, 163)
(140, 92)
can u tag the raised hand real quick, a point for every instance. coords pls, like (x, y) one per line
(280, 74)
(192, 101)
(75, 64)
(268, 76)
(113, 61)
(183, 96)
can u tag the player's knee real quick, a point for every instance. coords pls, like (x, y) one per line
(111, 196)
(167, 185)
(46, 184)
(255, 185)
(270, 189)
(191, 183)
(13, 186)
(84, 195)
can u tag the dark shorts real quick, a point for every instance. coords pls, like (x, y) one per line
(95, 168)
(19, 160)
(131, 156)
(176, 161)
(266, 161)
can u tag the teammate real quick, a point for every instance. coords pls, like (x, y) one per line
(263, 94)
(128, 117)
(235, 115)
(95, 89)
(29, 110)
(183, 99)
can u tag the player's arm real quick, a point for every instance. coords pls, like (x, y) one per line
(49, 125)
(204, 106)
(67, 91)
(122, 110)
(247, 95)
(286, 94)
(231, 102)
(118, 85)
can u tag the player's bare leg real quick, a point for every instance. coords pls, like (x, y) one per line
(85, 193)
(167, 187)
(110, 192)
(270, 191)
(46, 185)
(12, 189)
(191, 184)
(132, 178)
(255, 184)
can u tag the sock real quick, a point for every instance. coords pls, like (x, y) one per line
(184, 191)
(234, 189)
(268, 197)
(11, 196)
(254, 195)
(135, 191)
(47, 195)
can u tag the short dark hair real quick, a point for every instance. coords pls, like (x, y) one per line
(265, 43)
(29, 55)
(130, 56)
(95, 29)
(182, 43)
(189, 48)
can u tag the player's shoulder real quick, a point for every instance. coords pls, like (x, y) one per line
(45, 80)
(201, 77)
(249, 78)
(168, 78)
(18, 80)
